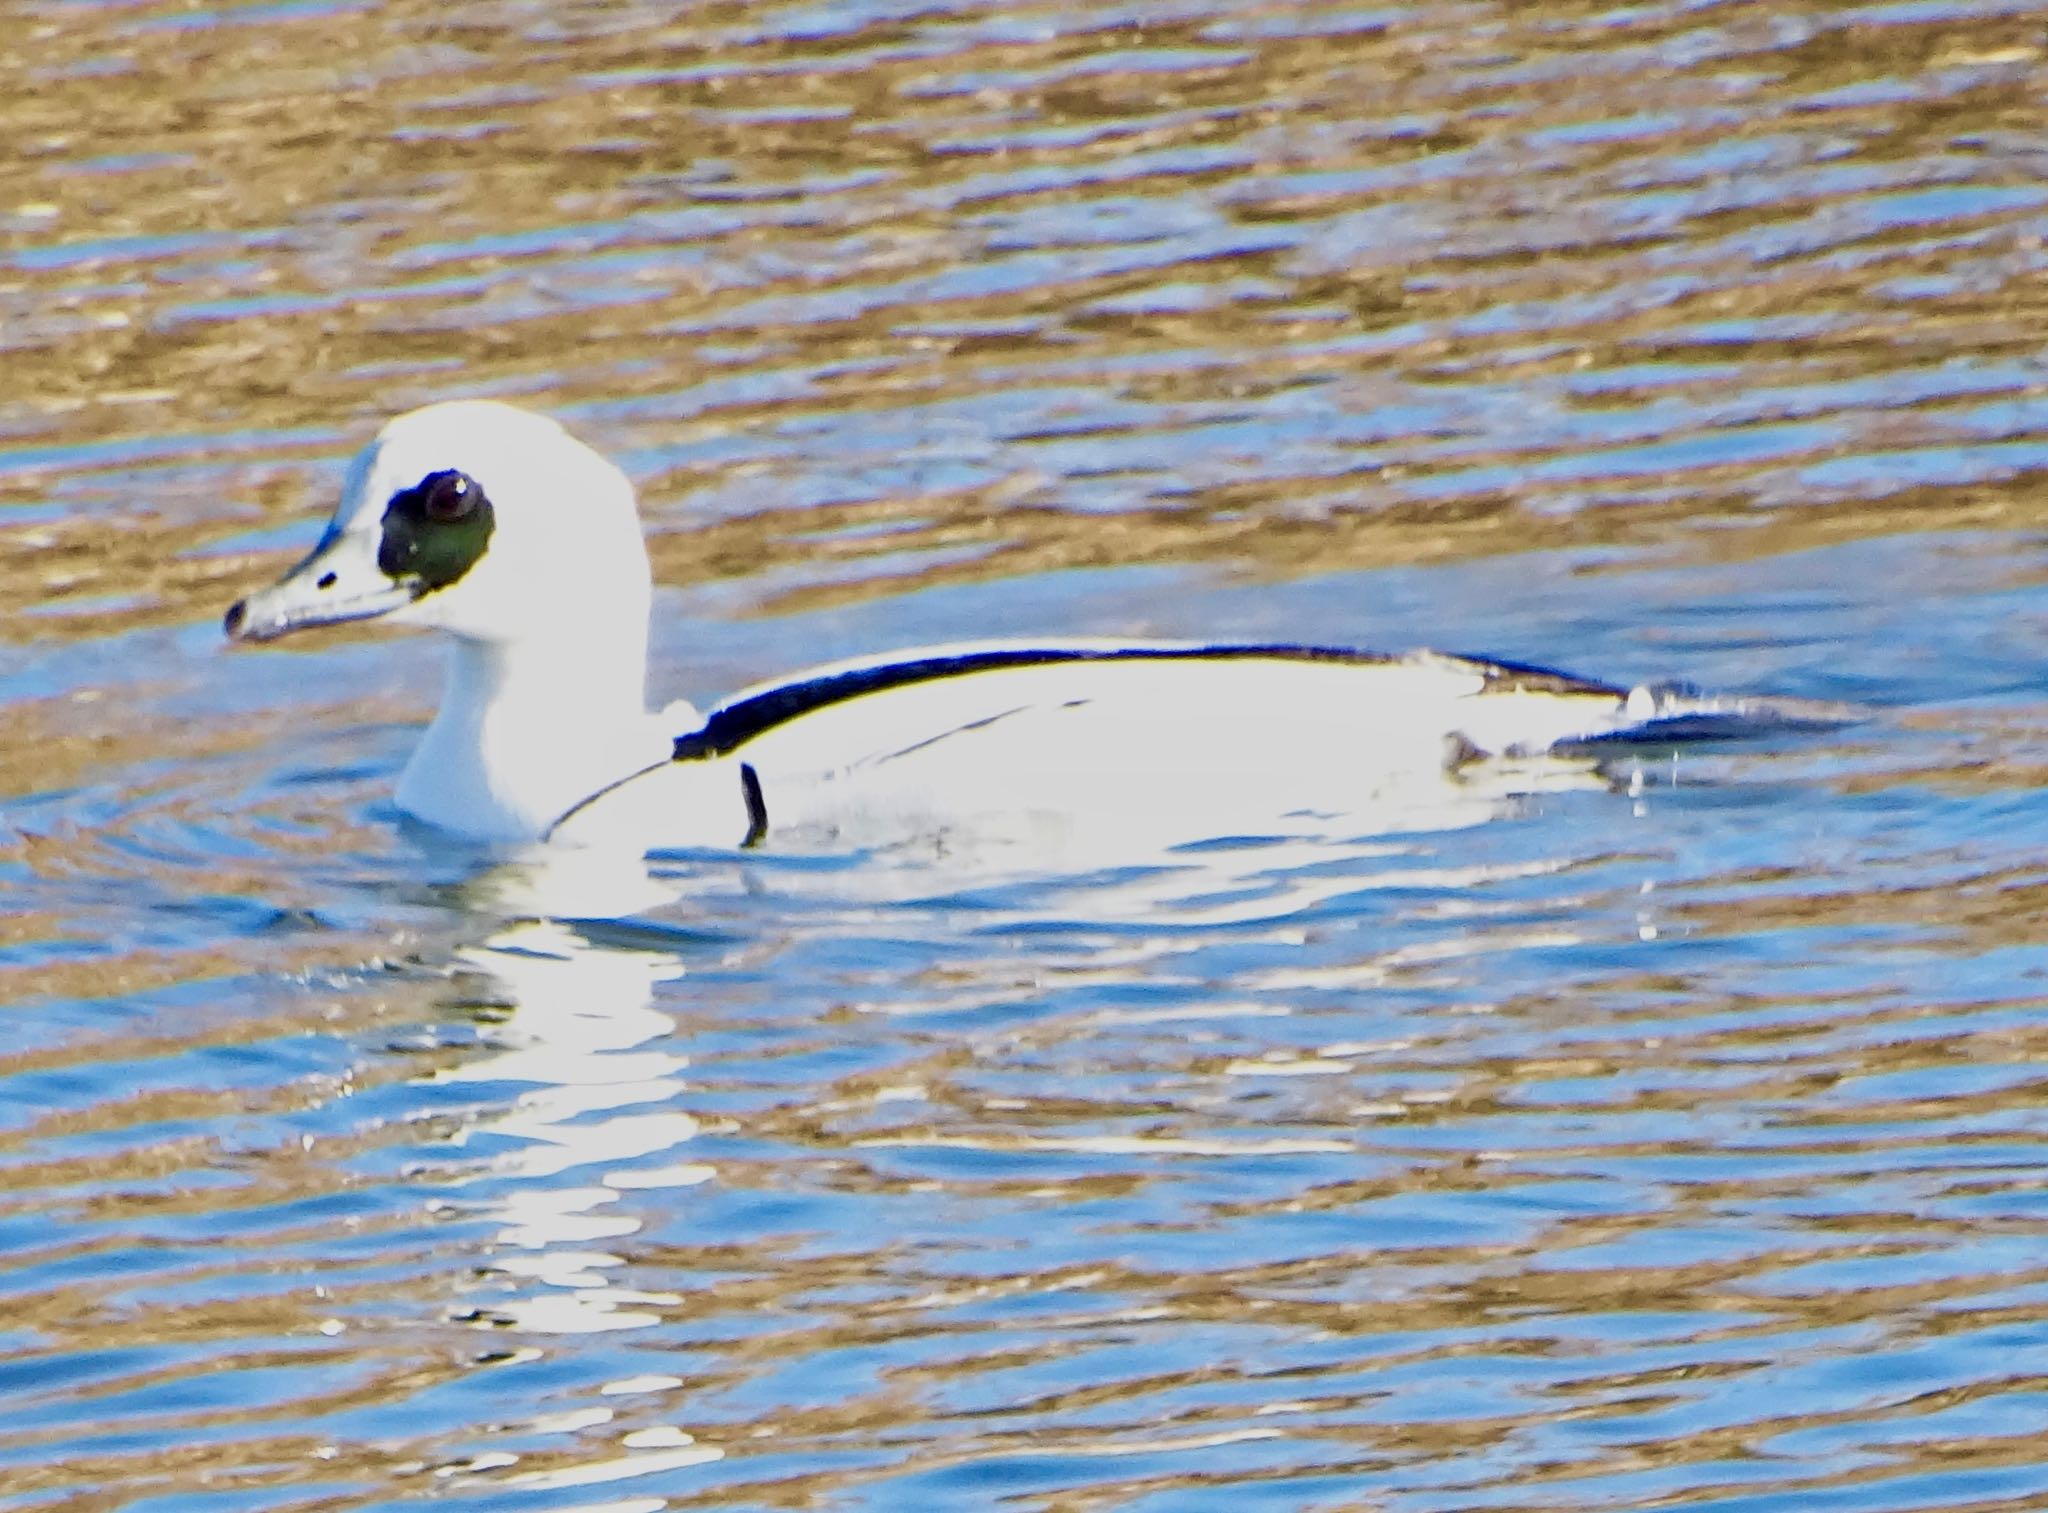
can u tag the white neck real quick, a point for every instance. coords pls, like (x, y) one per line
(527, 729)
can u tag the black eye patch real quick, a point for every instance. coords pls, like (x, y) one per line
(435, 531)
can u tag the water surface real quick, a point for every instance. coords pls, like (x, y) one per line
(1668, 1142)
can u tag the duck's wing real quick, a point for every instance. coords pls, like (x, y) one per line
(1204, 736)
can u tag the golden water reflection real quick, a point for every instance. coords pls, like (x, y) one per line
(1629, 1144)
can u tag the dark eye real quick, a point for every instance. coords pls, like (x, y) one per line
(448, 496)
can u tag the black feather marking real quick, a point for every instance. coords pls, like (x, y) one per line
(968, 729)
(588, 799)
(757, 807)
(731, 726)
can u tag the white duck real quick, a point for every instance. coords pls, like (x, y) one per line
(499, 527)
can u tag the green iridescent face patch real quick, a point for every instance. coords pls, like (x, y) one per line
(435, 531)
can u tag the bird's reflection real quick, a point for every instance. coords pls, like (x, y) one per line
(596, 1114)
(582, 942)
(582, 946)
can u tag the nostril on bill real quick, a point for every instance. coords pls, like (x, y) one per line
(327, 580)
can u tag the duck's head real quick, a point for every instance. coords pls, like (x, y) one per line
(475, 517)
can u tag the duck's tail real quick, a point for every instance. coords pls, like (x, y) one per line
(1656, 713)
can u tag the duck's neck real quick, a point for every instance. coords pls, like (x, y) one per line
(526, 730)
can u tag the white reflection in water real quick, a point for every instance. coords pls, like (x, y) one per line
(585, 1038)
(591, 1048)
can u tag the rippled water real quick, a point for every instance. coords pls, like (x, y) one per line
(1674, 1142)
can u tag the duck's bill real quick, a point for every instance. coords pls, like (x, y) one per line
(338, 583)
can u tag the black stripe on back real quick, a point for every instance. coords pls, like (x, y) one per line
(731, 726)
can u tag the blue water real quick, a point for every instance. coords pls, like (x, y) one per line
(1667, 1141)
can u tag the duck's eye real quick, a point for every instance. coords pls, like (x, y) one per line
(448, 496)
